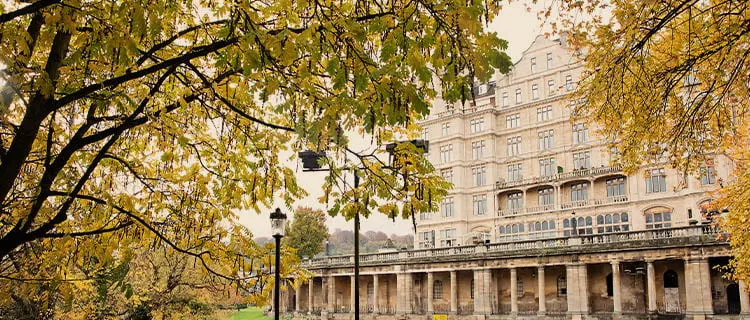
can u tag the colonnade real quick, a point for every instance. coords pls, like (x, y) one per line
(492, 288)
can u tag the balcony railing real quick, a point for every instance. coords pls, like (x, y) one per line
(694, 234)
(583, 173)
(563, 206)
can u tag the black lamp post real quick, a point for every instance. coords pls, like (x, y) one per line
(278, 221)
(310, 162)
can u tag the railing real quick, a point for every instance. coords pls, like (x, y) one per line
(560, 176)
(386, 309)
(698, 234)
(563, 206)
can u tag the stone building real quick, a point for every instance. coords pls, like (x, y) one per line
(541, 222)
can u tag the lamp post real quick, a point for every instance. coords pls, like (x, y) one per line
(574, 224)
(278, 221)
(310, 162)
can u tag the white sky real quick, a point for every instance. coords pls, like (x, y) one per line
(514, 24)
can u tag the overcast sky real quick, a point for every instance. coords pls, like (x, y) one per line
(514, 24)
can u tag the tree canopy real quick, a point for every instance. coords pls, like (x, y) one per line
(135, 124)
(307, 231)
(667, 81)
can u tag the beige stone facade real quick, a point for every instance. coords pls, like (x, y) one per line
(541, 222)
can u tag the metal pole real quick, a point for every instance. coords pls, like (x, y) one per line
(356, 252)
(277, 285)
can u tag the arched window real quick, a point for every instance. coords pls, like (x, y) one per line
(610, 286)
(545, 225)
(671, 280)
(437, 289)
(539, 226)
(562, 286)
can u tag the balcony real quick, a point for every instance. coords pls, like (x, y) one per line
(584, 173)
(563, 206)
(686, 236)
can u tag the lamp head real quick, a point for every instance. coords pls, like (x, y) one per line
(278, 222)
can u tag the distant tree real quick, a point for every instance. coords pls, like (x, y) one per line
(667, 81)
(307, 231)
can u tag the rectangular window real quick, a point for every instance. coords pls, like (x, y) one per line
(479, 204)
(708, 175)
(505, 99)
(546, 139)
(425, 216)
(476, 125)
(534, 91)
(582, 160)
(659, 220)
(614, 222)
(614, 155)
(546, 196)
(425, 134)
(579, 192)
(544, 113)
(446, 153)
(515, 201)
(446, 208)
(446, 128)
(513, 121)
(569, 83)
(616, 187)
(477, 150)
(656, 180)
(447, 174)
(426, 239)
(533, 65)
(514, 146)
(448, 238)
(549, 61)
(479, 176)
(518, 96)
(551, 87)
(514, 172)
(547, 167)
(580, 133)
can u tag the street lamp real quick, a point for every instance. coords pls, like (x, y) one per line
(311, 162)
(574, 224)
(278, 222)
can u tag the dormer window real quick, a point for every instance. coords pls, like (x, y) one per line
(533, 65)
(482, 89)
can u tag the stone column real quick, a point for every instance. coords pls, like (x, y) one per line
(482, 292)
(454, 292)
(331, 294)
(298, 299)
(352, 294)
(744, 298)
(311, 295)
(616, 293)
(698, 278)
(324, 294)
(513, 291)
(578, 293)
(430, 284)
(375, 302)
(403, 295)
(651, 286)
(540, 290)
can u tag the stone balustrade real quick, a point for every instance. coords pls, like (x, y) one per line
(583, 173)
(698, 233)
(562, 206)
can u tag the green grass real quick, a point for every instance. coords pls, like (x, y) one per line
(251, 313)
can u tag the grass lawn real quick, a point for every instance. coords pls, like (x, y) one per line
(251, 313)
